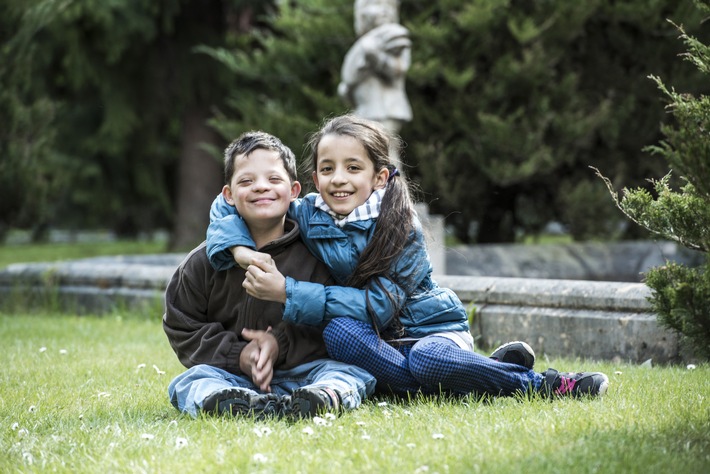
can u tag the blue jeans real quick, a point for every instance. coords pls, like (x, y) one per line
(188, 390)
(430, 365)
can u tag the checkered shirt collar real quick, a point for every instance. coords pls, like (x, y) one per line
(369, 210)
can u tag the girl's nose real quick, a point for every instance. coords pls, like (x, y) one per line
(339, 177)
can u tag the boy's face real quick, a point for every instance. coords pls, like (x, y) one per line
(260, 188)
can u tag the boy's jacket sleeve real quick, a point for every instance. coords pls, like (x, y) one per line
(227, 229)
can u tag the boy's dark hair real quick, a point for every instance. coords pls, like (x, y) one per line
(396, 219)
(255, 140)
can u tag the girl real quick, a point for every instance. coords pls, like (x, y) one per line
(391, 319)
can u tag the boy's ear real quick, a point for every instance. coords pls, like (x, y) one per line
(295, 190)
(227, 195)
(381, 178)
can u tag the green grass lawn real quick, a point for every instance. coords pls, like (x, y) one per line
(89, 394)
(49, 252)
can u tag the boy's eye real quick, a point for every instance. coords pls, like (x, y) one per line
(244, 181)
(275, 179)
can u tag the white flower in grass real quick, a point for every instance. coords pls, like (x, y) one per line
(423, 468)
(365, 436)
(360, 423)
(172, 423)
(22, 432)
(618, 372)
(382, 404)
(318, 421)
(437, 436)
(691, 367)
(180, 443)
(308, 430)
(160, 372)
(28, 458)
(262, 431)
(258, 457)
(407, 412)
(411, 445)
(43, 349)
(139, 367)
(63, 351)
(14, 426)
(32, 409)
(147, 436)
(103, 395)
(330, 416)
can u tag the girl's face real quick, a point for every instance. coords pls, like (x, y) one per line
(344, 175)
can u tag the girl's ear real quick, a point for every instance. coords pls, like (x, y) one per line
(227, 195)
(295, 190)
(314, 175)
(381, 178)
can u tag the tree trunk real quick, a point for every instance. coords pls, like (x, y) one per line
(199, 180)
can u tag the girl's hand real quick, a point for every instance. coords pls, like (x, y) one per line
(244, 256)
(265, 282)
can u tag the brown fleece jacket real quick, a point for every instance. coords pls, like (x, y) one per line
(206, 310)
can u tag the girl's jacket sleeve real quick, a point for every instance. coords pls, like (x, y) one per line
(227, 229)
(314, 304)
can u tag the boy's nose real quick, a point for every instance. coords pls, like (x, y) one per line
(261, 184)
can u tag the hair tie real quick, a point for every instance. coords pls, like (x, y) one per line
(395, 172)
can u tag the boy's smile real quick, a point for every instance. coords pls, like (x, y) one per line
(261, 189)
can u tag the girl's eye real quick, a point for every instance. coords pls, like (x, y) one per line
(325, 169)
(353, 168)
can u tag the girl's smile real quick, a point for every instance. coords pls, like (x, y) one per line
(345, 176)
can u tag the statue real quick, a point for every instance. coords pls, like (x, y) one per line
(374, 69)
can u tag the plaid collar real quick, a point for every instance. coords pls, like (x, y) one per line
(369, 210)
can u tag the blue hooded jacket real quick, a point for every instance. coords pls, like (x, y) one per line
(426, 307)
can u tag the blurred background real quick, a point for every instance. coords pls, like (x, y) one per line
(114, 114)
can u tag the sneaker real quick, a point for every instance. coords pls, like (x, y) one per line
(516, 352)
(241, 402)
(571, 384)
(307, 402)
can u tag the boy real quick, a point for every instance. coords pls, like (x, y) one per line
(242, 358)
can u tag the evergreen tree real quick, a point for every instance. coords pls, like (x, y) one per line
(513, 100)
(127, 101)
(286, 81)
(681, 295)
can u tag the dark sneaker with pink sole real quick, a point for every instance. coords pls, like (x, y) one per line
(574, 384)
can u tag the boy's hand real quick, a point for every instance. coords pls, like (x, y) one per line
(244, 256)
(265, 282)
(261, 361)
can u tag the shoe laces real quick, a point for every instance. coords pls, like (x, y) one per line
(566, 385)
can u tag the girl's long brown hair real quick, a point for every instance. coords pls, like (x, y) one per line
(395, 222)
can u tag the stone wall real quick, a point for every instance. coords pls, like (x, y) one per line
(587, 319)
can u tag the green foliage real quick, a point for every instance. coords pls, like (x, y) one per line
(513, 100)
(110, 83)
(286, 81)
(681, 296)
